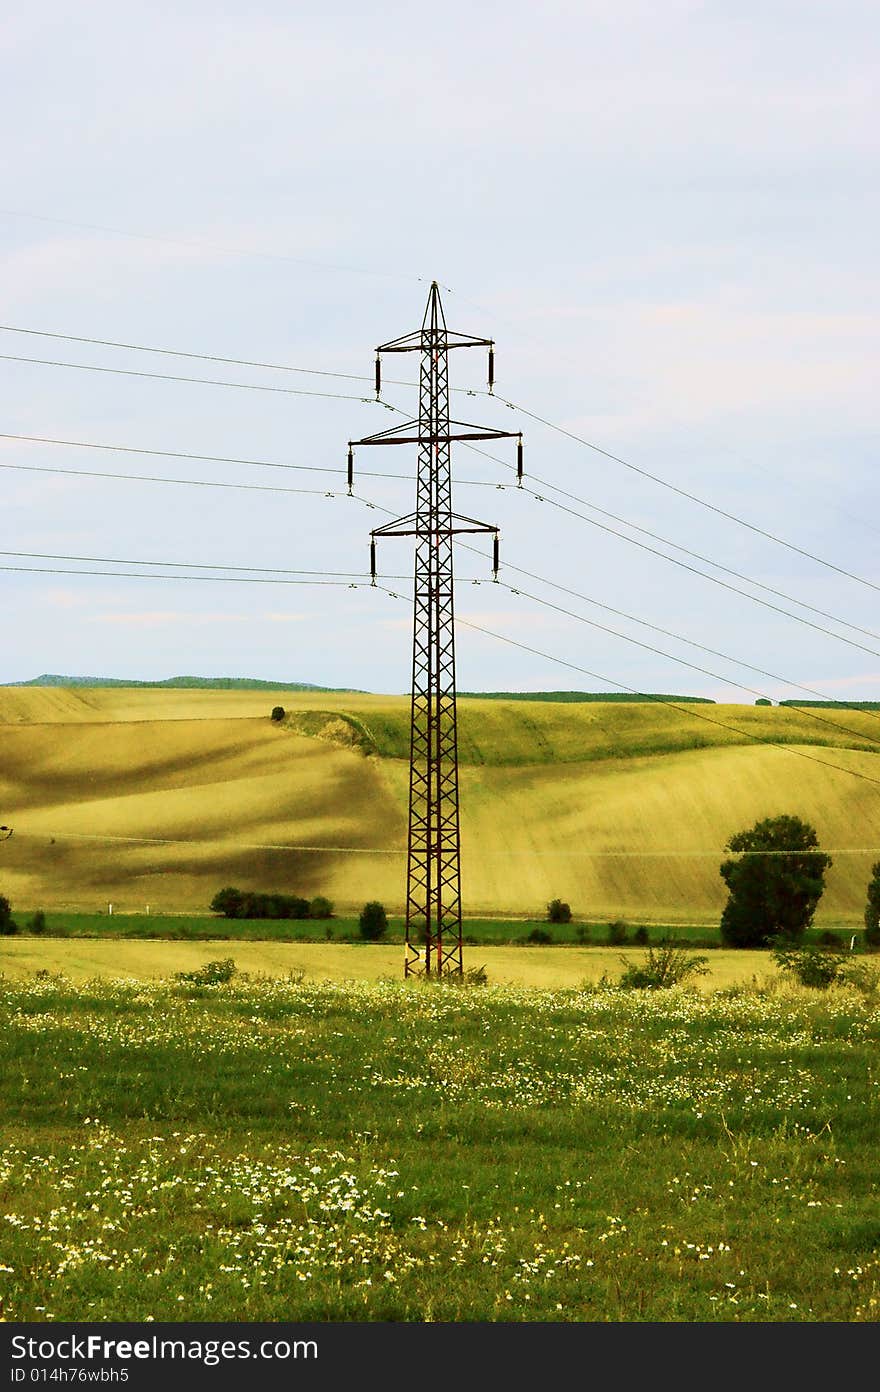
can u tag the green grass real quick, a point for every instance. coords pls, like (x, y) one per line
(506, 733)
(475, 931)
(282, 1150)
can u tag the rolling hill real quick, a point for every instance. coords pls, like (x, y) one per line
(161, 795)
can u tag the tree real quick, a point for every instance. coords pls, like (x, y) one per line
(373, 921)
(872, 908)
(278, 712)
(227, 902)
(775, 885)
(320, 907)
(8, 926)
(558, 911)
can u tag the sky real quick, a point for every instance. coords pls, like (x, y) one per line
(665, 216)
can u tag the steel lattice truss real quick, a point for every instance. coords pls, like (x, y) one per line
(433, 899)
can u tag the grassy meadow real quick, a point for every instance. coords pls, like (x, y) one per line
(143, 797)
(316, 1139)
(148, 960)
(341, 930)
(285, 1149)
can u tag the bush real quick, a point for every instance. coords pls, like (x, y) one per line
(373, 922)
(763, 701)
(558, 911)
(237, 903)
(278, 712)
(662, 967)
(37, 924)
(474, 976)
(8, 926)
(641, 936)
(582, 933)
(775, 885)
(215, 973)
(809, 966)
(829, 939)
(617, 933)
(274, 906)
(320, 907)
(872, 909)
(539, 935)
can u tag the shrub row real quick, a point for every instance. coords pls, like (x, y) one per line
(243, 903)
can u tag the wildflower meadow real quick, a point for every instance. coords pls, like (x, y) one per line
(269, 1149)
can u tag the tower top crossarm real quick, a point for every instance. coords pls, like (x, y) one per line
(433, 329)
(415, 342)
(433, 340)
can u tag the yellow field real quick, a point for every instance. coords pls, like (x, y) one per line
(159, 797)
(547, 968)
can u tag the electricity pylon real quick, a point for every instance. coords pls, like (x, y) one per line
(433, 898)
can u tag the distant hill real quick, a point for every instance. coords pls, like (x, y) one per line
(187, 683)
(260, 684)
(571, 697)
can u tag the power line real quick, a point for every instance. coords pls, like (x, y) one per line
(682, 662)
(323, 372)
(200, 357)
(668, 633)
(206, 357)
(188, 482)
(724, 584)
(201, 381)
(193, 565)
(684, 493)
(227, 579)
(313, 492)
(697, 555)
(362, 577)
(672, 560)
(214, 459)
(790, 484)
(319, 493)
(655, 536)
(220, 358)
(657, 700)
(475, 483)
(539, 497)
(654, 699)
(322, 576)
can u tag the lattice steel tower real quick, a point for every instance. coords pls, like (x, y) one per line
(433, 898)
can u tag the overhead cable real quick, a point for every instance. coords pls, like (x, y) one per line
(654, 699)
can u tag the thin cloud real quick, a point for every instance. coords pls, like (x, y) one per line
(159, 618)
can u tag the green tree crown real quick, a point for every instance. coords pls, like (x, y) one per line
(775, 885)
